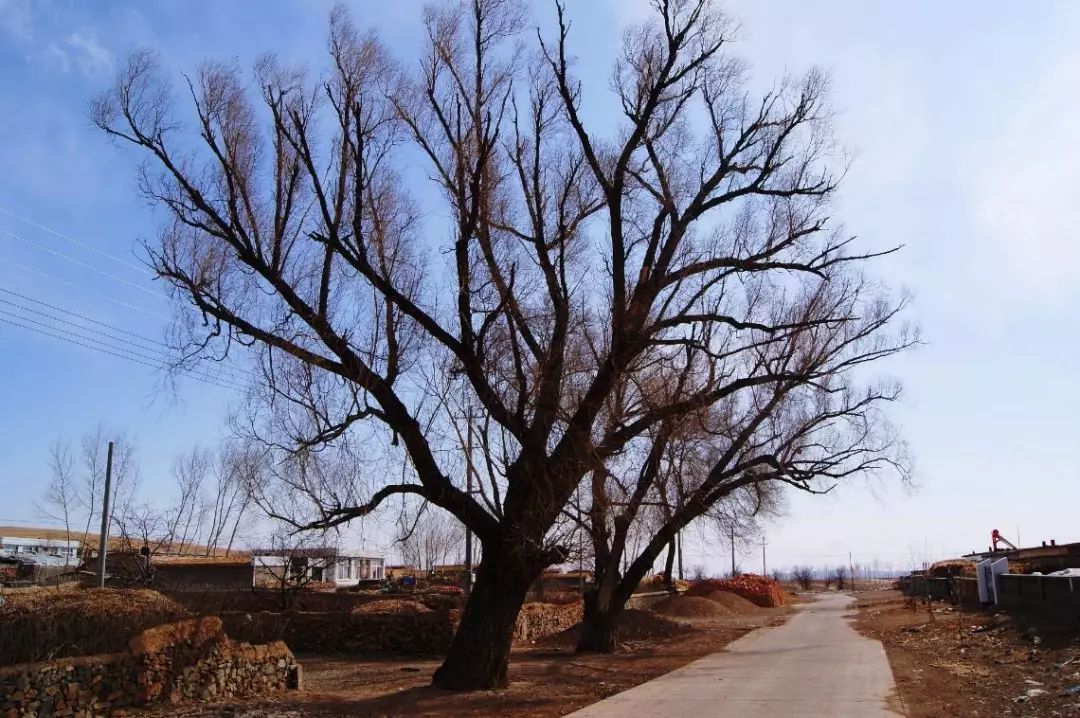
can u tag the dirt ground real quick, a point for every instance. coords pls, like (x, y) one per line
(973, 663)
(547, 680)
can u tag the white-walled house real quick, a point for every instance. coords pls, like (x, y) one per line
(40, 547)
(322, 564)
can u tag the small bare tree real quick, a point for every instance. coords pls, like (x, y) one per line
(428, 538)
(804, 576)
(840, 576)
(60, 502)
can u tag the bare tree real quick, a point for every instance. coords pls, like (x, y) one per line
(76, 488)
(662, 267)
(286, 565)
(429, 538)
(60, 502)
(804, 576)
(230, 501)
(840, 576)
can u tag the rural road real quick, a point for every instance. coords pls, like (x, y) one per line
(816, 664)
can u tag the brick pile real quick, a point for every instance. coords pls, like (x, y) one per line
(759, 590)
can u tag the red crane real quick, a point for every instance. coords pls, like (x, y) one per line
(996, 538)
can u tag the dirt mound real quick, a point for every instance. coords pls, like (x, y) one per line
(392, 606)
(690, 607)
(733, 603)
(75, 621)
(634, 625)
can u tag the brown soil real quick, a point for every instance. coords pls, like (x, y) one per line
(392, 605)
(733, 603)
(70, 620)
(690, 607)
(972, 663)
(636, 626)
(546, 681)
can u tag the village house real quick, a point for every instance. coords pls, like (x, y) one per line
(324, 564)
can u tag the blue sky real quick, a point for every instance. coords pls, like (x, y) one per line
(962, 118)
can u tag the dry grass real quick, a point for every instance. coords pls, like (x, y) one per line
(75, 621)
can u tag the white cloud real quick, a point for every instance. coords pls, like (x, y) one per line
(1025, 199)
(15, 19)
(90, 55)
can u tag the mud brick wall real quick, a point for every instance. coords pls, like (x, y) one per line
(189, 660)
(407, 634)
(537, 620)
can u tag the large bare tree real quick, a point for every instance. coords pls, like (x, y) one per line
(555, 268)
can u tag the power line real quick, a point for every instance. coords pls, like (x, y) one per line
(235, 374)
(81, 288)
(76, 242)
(110, 351)
(79, 262)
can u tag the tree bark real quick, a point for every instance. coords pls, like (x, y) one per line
(600, 624)
(479, 654)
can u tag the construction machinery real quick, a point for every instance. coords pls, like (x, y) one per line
(996, 538)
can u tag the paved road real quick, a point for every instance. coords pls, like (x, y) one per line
(816, 664)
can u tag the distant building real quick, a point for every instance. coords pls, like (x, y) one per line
(40, 546)
(319, 564)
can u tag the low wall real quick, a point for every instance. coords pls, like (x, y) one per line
(411, 634)
(189, 660)
(1054, 598)
(404, 634)
(206, 603)
(537, 620)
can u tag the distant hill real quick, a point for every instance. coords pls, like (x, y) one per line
(115, 543)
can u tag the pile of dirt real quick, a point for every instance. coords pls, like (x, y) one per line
(634, 625)
(75, 621)
(391, 606)
(638, 625)
(734, 604)
(690, 607)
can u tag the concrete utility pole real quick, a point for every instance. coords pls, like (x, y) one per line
(851, 570)
(103, 540)
(678, 544)
(764, 572)
(733, 552)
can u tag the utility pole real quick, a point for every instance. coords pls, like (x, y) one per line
(468, 492)
(851, 570)
(733, 552)
(763, 570)
(678, 545)
(103, 540)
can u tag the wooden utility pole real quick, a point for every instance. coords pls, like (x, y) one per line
(103, 540)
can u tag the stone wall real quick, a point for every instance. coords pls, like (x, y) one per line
(537, 620)
(409, 634)
(403, 634)
(189, 660)
(209, 603)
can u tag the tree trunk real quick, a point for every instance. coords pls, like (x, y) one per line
(480, 652)
(599, 626)
(669, 566)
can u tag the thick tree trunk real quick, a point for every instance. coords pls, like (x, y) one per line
(600, 623)
(479, 655)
